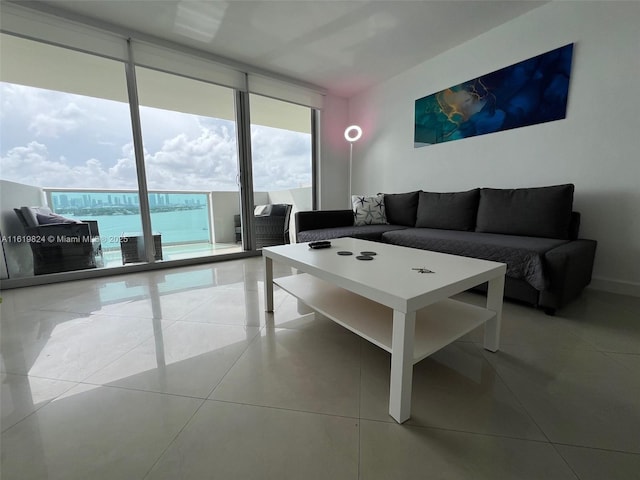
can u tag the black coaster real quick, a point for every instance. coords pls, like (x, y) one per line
(368, 254)
(345, 252)
(364, 257)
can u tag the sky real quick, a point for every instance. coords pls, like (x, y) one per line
(61, 140)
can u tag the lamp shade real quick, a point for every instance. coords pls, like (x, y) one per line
(352, 133)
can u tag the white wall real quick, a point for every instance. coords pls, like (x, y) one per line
(597, 147)
(225, 206)
(333, 177)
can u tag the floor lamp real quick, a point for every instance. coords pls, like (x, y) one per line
(352, 134)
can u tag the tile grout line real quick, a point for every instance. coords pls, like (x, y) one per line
(283, 409)
(173, 440)
(74, 384)
(517, 399)
(251, 342)
(585, 447)
(456, 430)
(139, 344)
(566, 462)
(513, 394)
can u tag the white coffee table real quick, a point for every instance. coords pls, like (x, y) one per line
(390, 303)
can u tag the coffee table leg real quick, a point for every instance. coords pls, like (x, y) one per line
(495, 293)
(401, 365)
(268, 284)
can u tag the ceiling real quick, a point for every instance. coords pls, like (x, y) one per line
(341, 46)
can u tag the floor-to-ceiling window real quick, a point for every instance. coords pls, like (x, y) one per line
(281, 149)
(66, 143)
(70, 142)
(191, 163)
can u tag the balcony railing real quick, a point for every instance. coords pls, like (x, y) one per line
(191, 223)
(181, 217)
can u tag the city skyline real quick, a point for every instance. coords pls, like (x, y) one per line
(66, 199)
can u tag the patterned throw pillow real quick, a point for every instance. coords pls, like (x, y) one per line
(368, 210)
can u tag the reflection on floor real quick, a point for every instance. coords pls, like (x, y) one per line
(113, 257)
(179, 374)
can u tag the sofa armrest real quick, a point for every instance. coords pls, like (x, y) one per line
(569, 267)
(315, 219)
(574, 226)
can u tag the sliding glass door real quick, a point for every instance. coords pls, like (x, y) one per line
(66, 144)
(67, 149)
(281, 149)
(191, 163)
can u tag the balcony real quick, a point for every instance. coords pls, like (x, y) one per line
(186, 221)
(191, 224)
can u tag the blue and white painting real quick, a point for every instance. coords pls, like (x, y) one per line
(527, 93)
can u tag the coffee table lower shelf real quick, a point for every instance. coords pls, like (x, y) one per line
(437, 325)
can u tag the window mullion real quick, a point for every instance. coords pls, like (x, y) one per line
(243, 130)
(134, 108)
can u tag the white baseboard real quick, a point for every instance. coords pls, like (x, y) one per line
(615, 286)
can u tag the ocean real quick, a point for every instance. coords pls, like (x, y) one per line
(182, 226)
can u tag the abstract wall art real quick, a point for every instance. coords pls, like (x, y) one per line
(527, 93)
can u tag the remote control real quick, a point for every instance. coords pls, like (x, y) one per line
(320, 244)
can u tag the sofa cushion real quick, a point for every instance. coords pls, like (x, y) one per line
(364, 232)
(368, 210)
(313, 219)
(280, 209)
(29, 214)
(48, 218)
(524, 256)
(401, 208)
(535, 212)
(448, 211)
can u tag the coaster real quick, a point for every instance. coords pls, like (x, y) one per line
(368, 254)
(345, 252)
(364, 257)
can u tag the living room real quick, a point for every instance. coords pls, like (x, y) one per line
(595, 151)
(179, 373)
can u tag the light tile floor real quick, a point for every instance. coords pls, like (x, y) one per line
(113, 257)
(179, 374)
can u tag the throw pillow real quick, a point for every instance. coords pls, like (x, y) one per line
(260, 210)
(47, 218)
(448, 211)
(533, 212)
(368, 210)
(401, 208)
(29, 215)
(279, 209)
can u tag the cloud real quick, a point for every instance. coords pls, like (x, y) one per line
(76, 146)
(206, 161)
(124, 170)
(281, 158)
(58, 122)
(32, 165)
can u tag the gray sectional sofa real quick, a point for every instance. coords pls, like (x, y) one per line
(533, 230)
